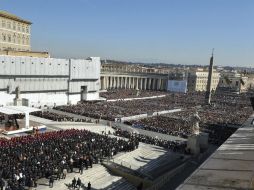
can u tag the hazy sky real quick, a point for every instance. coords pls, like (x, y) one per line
(170, 31)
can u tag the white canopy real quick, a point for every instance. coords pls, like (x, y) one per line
(10, 110)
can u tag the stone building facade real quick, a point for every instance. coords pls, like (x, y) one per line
(197, 80)
(48, 81)
(15, 32)
(117, 76)
(236, 82)
(26, 53)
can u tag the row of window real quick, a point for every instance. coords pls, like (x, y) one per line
(16, 39)
(202, 86)
(236, 82)
(31, 62)
(13, 25)
(14, 49)
(205, 81)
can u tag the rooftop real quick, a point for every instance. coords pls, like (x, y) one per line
(229, 167)
(13, 17)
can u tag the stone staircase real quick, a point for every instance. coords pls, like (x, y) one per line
(121, 184)
(98, 176)
(139, 157)
(147, 159)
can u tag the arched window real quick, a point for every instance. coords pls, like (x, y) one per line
(3, 23)
(23, 39)
(18, 39)
(14, 38)
(14, 26)
(4, 37)
(27, 40)
(9, 38)
(9, 25)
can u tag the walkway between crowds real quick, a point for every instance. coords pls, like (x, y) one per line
(123, 127)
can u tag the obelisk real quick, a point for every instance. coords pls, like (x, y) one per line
(209, 82)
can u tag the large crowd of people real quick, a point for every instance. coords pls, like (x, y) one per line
(165, 125)
(11, 117)
(225, 111)
(217, 133)
(25, 159)
(118, 109)
(51, 155)
(58, 117)
(176, 146)
(182, 128)
(220, 119)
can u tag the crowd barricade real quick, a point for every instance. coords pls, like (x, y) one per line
(133, 117)
(142, 98)
(166, 111)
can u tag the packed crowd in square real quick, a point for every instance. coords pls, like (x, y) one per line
(53, 155)
(225, 111)
(57, 117)
(118, 109)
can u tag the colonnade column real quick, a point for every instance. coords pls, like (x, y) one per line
(141, 83)
(145, 81)
(137, 87)
(129, 82)
(107, 82)
(149, 84)
(104, 81)
(158, 84)
(110, 82)
(153, 82)
(162, 87)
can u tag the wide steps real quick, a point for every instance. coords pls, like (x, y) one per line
(121, 184)
(98, 176)
(144, 157)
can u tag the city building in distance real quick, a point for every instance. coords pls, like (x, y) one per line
(15, 32)
(197, 80)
